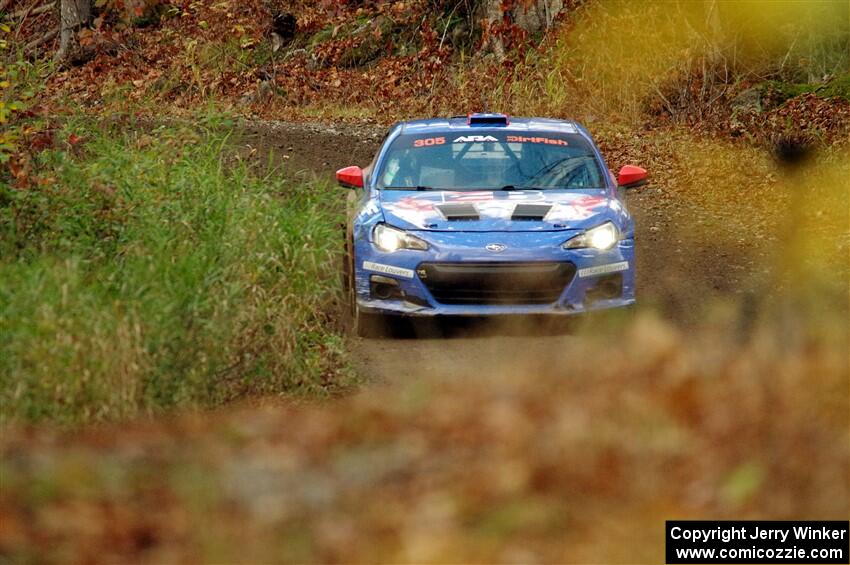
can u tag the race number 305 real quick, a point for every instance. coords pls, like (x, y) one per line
(429, 141)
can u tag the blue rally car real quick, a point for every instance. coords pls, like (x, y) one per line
(487, 215)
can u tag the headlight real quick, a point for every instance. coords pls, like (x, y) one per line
(389, 239)
(601, 237)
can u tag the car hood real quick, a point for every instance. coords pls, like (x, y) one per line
(500, 210)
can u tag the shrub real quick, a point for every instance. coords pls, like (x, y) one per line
(153, 272)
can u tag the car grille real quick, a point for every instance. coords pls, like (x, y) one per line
(496, 283)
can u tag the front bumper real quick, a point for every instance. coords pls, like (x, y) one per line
(599, 279)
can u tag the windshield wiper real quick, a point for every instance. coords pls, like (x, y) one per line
(420, 187)
(513, 187)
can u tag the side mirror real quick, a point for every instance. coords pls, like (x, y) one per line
(631, 177)
(350, 177)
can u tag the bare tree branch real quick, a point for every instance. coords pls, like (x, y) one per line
(31, 11)
(32, 45)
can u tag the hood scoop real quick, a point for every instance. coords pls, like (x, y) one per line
(459, 211)
(534, 212)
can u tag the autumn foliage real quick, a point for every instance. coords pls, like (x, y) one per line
(169, 254)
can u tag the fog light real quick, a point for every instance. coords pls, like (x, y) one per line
(606, 288)
(384, 288)
(610, 289)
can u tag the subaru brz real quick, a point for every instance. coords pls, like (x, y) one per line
(487, 215)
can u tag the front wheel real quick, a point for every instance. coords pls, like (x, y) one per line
(367, 325)
(362, 324)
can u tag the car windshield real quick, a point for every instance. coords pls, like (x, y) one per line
(490, 160)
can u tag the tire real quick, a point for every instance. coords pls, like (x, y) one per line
(362, 324)
(367, 325)
(346, 265)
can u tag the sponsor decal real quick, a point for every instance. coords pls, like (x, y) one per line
(370, 209)
(413, 203)
(417, 211)
(543, 140)
(580, 209)
(388, 269)
(429, 142)
(495, 209)
(421, 210)
(603, 269)
(475, 196)
(474, 139)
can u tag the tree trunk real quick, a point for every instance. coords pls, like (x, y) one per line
(537, 16)
(493, 13)
(73, 14)
(534, 17)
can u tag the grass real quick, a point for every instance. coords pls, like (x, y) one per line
(152, 269)
(782, 91)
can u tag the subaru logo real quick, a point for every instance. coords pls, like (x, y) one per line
(496, 247)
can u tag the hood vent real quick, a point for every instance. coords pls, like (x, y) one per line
(461, 211)
(534, 212)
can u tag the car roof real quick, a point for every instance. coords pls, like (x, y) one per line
(513, 124)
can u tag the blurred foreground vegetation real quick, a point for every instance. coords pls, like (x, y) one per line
(146, 267)
(568, 454)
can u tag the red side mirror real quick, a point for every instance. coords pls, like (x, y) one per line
(631, 176)
(350, 177)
